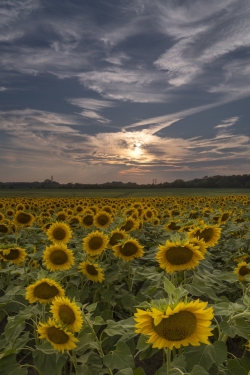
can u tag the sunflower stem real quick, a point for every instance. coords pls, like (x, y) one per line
(98, 342)
(43, 312)
(129, 278)
(168, 355)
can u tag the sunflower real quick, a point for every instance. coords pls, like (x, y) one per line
(178, 256)
(116, 236)
(128, 250)
(23, 218)
(172, 225)
(209, 233)
(130, 224)
(102, 219)
(61, 216)
(4, 229)
(44, 291)
(92, 271)
(15, 255)
(95, 243)
(87, 220)
(58, 257)
(61, 339)
(200, 243)
(2, 217)
(67, 312)
(180, 325)
(242, 270)
(59, 233)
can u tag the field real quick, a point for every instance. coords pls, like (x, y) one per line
(125, 282)
(119, 193)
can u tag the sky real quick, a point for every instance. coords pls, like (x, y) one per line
(95, 91)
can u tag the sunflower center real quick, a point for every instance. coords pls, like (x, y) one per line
(91, 270)
(59, 234)
(45, 291)
(128, 226)
(13, 254)
(3, 228)
(23, 218)
(206, 234)
(179, 255)
(57, 335)
(66, 314)
(244, 271)
(58, 257)
(102, 219)
(115, 238)
(176, 327)
(88, 220)
(173, 226)
(128, 249)
(95, 243)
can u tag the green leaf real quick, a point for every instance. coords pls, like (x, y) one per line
(9, 366)
(139, 371)
(198, 370)
(92, 307)
(239, 366)
(205, 355)
(49, 363)
(141, 344)
(119, 359)
(168, 286)
(237, 327)
(162, 370)
(83, 369)
(180, 362)
(14, 327)
(125, 371)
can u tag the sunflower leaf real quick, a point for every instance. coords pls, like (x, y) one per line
(119, 359)
(168, 286)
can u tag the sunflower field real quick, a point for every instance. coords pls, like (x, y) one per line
(126, 286)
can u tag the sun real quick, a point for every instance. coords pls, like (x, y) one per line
(137, 149)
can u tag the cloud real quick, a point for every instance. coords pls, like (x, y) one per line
(134, 171)
(203, 34)
(91, 107)
(227, 123)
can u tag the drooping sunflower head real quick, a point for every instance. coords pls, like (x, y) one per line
(242, 270)
(92, 271)
(95, 243)
(58, 257)
(15, 255)
(60, 338)
(59, 233)
(22, 218)
(179, 325)
(44, 291)
(178, 256)
(128, 249)
(67, 313)
(116, 236)
(210, 234)
(102, 219)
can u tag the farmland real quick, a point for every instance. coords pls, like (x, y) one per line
(126, 282)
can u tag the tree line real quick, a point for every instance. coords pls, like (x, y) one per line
(234, 181)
